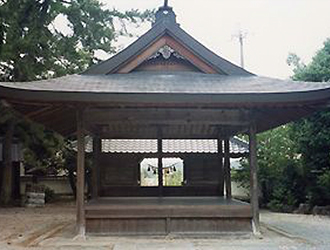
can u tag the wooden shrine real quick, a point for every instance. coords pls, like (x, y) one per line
(164, 88)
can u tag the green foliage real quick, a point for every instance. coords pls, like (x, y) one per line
(317, 71)
(69, 164)
(313, 142)
(283, 200)
(324, 183)
(42, 147)
(313, 134)
(49, 195)
(31, 46)
(280, 171)
(294, 160)
(174, 179)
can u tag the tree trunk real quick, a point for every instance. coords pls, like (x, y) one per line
(7, 181)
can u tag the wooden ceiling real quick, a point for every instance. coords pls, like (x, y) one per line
(147, 122)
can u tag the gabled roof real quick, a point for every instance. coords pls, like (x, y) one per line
(166, 25)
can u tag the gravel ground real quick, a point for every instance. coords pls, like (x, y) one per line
(315, 230)
(52, 227)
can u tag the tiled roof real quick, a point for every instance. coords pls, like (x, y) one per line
(237, 146)
(190, 146)
(129, 146)
(165, 83)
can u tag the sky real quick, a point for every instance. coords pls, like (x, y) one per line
(272, 28)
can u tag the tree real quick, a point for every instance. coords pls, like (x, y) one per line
(32, 47)
(280, 171)
(294, 160)
(317, 71)
(42, 148)
(313, 134)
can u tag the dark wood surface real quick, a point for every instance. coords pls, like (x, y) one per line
(80, 192)
(227, 168)
(120, 174)
(254, 179)
(7, 172)
(97, 149)
(155, 215)
(151, 207)
(136, 201)
(221, 167)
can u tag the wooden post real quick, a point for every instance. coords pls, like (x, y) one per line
(7, 180)
(221, 177)
(80, 174)
(227, 168)
(97, 149)
(160, 161)
(254, 180)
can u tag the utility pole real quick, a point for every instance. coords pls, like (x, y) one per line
(241, 36)
(241, 42)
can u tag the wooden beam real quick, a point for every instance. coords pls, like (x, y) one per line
(168, 116)
(97, 149)
(227, 168)
(80, 195)
(147, 113)
(160, 161)
(254, 180)
(152, 134)
(269, 118)
(131, 65)
(38, 112)
(182, 121)
(191, 57)
(7, 180)
(221, 177)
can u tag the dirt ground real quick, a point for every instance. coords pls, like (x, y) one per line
(52, 227)
(25, 227)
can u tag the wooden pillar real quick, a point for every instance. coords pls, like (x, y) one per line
(160, 161)
(227, 168)
(7, 180)
(254, 179)
(221, 176)
(97, 149)
(80, 200)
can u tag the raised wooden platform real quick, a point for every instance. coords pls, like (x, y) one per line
(159, 216)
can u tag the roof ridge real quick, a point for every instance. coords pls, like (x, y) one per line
(166, 25)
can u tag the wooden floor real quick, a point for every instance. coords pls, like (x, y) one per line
(153, 215)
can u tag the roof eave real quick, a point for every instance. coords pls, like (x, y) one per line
(235, 99)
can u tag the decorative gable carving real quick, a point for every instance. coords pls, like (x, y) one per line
(179, 59)
(166, 52)
(166, 59)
